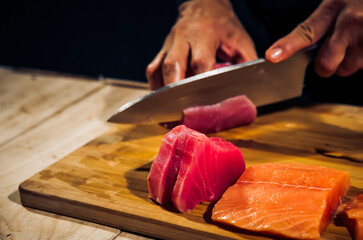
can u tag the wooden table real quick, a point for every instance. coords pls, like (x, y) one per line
(45, 117)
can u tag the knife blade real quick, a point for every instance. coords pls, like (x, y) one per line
(261, 81)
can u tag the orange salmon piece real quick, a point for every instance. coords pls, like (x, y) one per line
(289, 200)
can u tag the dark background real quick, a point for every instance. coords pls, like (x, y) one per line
(92, 38)
(118, 39)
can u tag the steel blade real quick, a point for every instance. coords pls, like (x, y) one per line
(261, 81)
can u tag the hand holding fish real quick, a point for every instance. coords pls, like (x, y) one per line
(205, 29)
(342, 51)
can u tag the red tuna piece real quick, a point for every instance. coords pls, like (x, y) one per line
(226, 166)
(232, 112)
(191, 168)
(192, 185)
(165, 168)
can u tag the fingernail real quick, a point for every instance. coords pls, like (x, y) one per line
(276, 53)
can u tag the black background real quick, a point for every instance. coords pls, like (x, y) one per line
(93, 38)
(119, 38)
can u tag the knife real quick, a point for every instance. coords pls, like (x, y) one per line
(261, 81)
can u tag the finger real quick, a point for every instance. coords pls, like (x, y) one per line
(350, 64)
(203, 56)
(330, 55)
(237, 52)
(349, 25)
(223, 55)
(245, 47)
(240, 48)
(175, 63)
(154, 71)
(245, 54)
(305, 34)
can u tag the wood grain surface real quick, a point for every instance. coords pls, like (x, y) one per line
(44, 117)
(105, 180)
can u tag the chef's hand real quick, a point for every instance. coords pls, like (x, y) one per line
(342, 50)
(204, 29)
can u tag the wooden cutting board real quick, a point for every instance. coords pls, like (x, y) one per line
(105, 180)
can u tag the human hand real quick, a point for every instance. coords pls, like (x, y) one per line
(342, 50)
(204, 29)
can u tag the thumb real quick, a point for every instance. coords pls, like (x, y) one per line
(306, 33)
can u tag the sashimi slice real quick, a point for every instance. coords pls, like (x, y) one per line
(209, 166)
(165, 168)
(290, 200)
(352, 215)
(232, 112)
(226, 166)
(191, 185)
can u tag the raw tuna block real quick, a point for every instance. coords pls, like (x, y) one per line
(289, 200)
(232, 112)
(191, 168)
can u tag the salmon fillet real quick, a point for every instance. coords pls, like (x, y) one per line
(290, 200)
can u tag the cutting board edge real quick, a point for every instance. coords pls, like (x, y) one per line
(32, 199)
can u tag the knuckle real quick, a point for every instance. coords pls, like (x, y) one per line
(325, 66)
(307, 32)
(155, 64)
(149, 70)
(352, 17)
(185, 25)
(181, 30)
(169, 66)
(177, 28)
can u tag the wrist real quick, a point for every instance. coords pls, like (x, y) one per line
(206, 8)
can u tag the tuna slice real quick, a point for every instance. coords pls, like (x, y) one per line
(191, 185)
(165, 168)
(191, 168)
(232, 112)
(290, 200)
(225, 168)
(352, 215)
